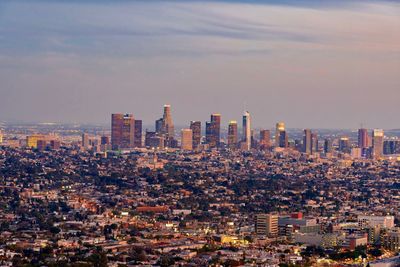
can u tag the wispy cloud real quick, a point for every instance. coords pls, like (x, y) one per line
(270, 51)
(90, 27)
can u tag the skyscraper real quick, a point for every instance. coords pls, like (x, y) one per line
(265, 139)
(314, 143)
(159, 126)
(377, 143)
(307, 141)
(391, 147)
(283, 139)
(327, 146)
(1, 137)
(85, 140)
(213, 129)
(344, 144)
(195, 126)
(209, 133)
(122, 131)
(232, 135)
(186, 139)
(168, 125)
(216, 121)
(138, 133)
(246, 130)
(362, 138)
(280, 126)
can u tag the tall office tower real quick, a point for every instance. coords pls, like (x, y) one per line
(265, 139)
(387, 149)
(159, 126)
(216, 125)
(362, 138)
(168, 125)
(283, 139)
(327, 146)
(208, 132)
(377, 143)
(314, 143)
(280, 126)
(122, 131)
(369, 141)
(85, 140)
(232, 135)
(1, 137)
(195, 126)
(138, 133)
(186, 139)
(391, 147)
(266, 225)
(213, 128)
(246, 128)
(344, 144)
(298, 145)
(254, 141)
(307, 141)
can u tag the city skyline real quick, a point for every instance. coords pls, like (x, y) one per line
(165, 124)
(200, 133)
(292, 61)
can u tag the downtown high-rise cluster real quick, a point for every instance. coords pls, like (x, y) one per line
(127, 134)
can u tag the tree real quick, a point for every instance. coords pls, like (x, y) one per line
(55, 230)
(166, 261)
(99, 259)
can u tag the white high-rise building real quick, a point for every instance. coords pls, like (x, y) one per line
(167, 124)
(247, 130)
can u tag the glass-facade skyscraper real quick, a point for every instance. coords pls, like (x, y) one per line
(246, 130)
(122, 131)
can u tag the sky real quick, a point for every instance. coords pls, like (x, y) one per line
(311, 64)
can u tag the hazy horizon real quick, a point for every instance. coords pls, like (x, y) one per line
(312, 65)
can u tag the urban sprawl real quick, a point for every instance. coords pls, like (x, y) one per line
(74, 195)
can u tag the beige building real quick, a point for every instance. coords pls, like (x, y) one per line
(232, 135)
(266, 225)
(186, 139)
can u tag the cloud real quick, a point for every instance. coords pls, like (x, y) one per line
(89, 27)
(139, 54)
